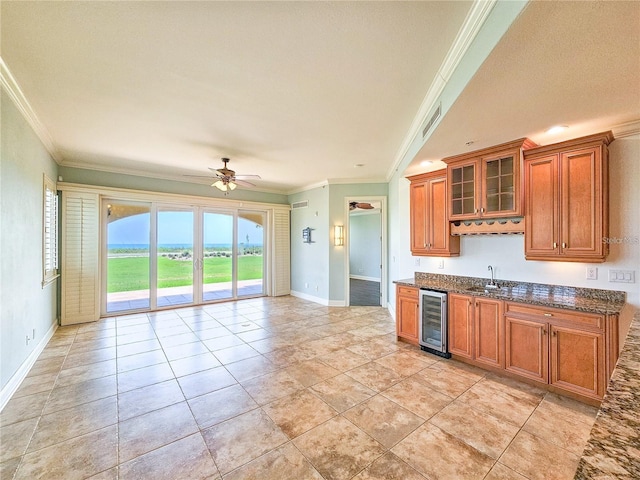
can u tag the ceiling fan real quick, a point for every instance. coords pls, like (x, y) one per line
(362, 205)
(226, 179)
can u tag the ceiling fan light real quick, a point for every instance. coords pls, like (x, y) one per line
(220, 185)
(232, 186)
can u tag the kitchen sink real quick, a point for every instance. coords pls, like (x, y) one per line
(485, 289)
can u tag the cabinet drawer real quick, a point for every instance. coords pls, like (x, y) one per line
(553, 315)
(408, 291)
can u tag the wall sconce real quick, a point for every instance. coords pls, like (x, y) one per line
(338, 235)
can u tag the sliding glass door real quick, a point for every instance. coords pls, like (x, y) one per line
(198, 255)
(250, 253)
(217, 256)
(127, 266)
(174, 257)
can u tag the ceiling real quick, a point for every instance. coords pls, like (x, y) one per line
(302, 92)
(296, 92)
(560, 63)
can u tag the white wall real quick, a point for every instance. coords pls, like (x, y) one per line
(364, 245)
(310, 261)
(24, 304)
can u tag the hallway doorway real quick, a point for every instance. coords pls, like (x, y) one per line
(366, 260)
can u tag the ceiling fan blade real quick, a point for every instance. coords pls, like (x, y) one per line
(198, 176)
(249, 176)
(365, 206)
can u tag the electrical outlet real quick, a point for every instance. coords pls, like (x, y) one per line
(306, 285)
(316, 288)
(440, 263)
(592, 273)
(417, 262)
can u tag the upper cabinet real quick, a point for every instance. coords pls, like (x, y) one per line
(430, 234)
(486, 183)
(566, 197)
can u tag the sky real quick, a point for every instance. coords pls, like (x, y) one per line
(177, 227)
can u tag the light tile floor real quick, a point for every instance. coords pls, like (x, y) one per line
(275, 388)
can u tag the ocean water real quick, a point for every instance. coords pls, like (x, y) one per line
(174, 246)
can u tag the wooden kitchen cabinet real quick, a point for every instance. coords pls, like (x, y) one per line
(486, 183)
(460, 325)
(407, 306)
(476, 329)
(566, 200)
(430, 234)
(577, 360)
(564, 349)
(526, 348)
(488, 332)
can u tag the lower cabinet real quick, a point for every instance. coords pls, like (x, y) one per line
(557, 347)
(561, 348)
(460, 325)
(488, 334)
(475, 329)
(407, 305)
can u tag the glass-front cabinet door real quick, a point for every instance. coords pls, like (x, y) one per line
(500, 189)
(463, 191)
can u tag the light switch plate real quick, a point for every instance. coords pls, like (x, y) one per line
(622, 276)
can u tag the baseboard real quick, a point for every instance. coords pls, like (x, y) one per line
(337, 303)
(14, 382)
(362, 277)
(392, 310)
(311, 298)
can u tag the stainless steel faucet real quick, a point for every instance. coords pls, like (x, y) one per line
(492, 283)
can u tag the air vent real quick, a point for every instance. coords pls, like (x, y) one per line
(434, 118)
(301, 204)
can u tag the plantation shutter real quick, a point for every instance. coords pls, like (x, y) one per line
(80, 254)
(50, 232)
(281, 273)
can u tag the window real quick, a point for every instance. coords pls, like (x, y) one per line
(49, 232)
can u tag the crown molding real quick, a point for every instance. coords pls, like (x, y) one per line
(14, 91)
(150, 174)
(336, 181)
(476, 17)
(628, 129)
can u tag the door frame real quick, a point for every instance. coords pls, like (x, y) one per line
(383, 245)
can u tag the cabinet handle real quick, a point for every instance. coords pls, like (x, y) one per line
(554, 333)
(544, 331)
(475, 210)
(564, 245)
(482, 210)
(548, 314)
(555, 244)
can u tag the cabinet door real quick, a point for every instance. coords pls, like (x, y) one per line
(541, 206)
(527, 348)
(500, 188)
(407, 313)
(418, 206)
(489, 338)
(460, 327)
(577, 361)
(462, 183)
(582, 206)
(440, 241)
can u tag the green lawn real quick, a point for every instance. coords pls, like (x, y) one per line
(132, 273)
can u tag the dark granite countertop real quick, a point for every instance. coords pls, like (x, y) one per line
(613, 450)
(582, 299)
